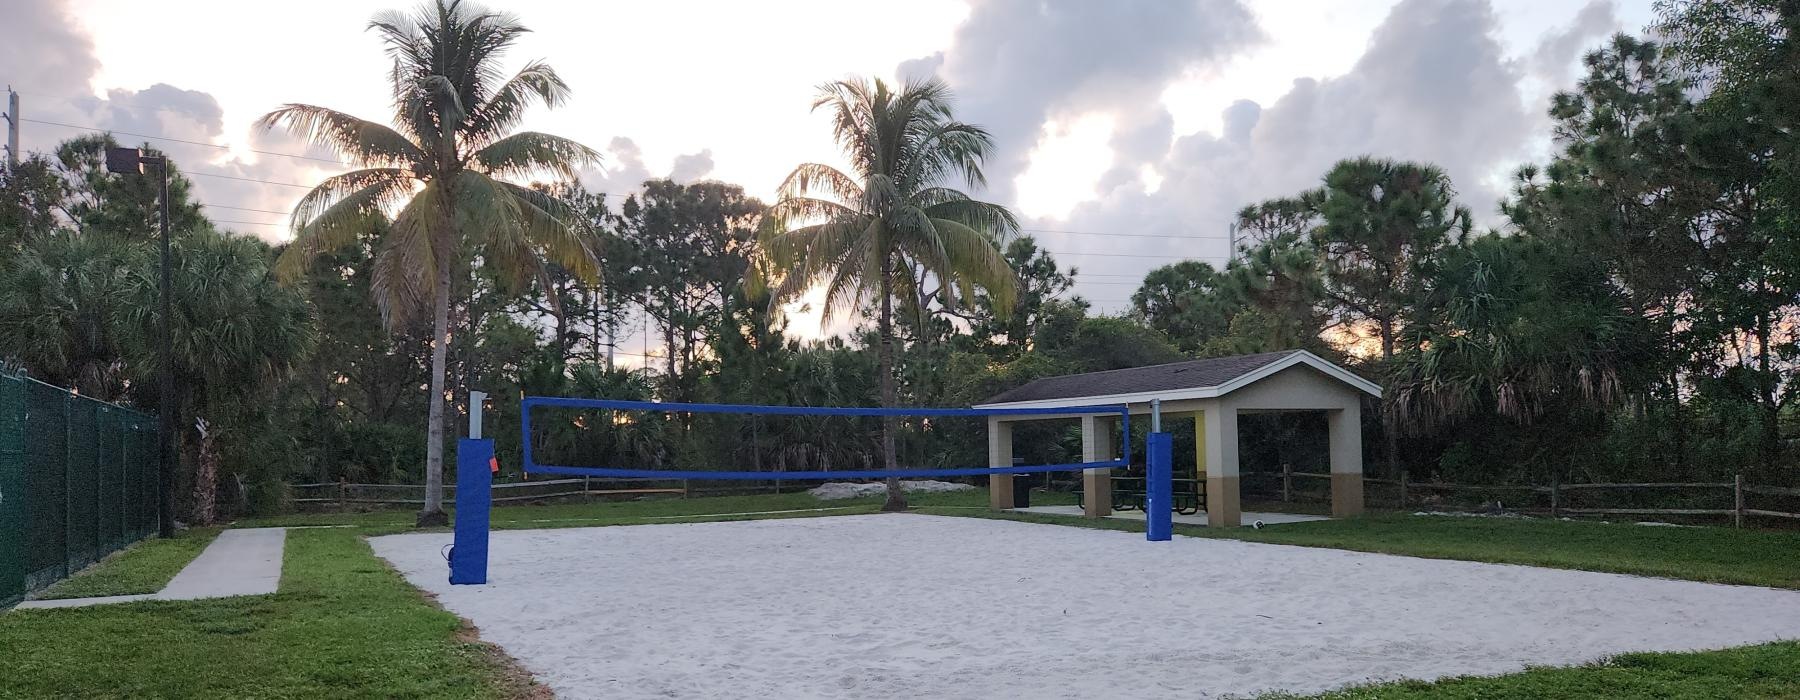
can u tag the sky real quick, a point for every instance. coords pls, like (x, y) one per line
(1127, 132)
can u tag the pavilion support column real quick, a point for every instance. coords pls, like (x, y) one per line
(1096, 484)
(1220, 437)
(1000, 454)
(1346, 461)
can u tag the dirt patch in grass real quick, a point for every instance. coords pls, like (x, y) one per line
(513, 680)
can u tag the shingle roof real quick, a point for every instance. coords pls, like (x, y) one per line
(1193, 374)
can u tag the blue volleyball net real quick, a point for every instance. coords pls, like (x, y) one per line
(631, 440)
(930, 435)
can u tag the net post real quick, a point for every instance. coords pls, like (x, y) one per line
(1158, 522)
(474, 500)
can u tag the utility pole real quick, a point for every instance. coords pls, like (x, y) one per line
(1231, 238)
(12, 129)
(132, 160)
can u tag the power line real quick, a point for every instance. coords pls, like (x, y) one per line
(251, 223)
(1134, 255)
(1123, 235)
(260, 211)
(172, 139)
(246, 179)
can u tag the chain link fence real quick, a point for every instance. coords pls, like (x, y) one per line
(77, 482)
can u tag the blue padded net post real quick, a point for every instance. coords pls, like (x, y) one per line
(474, 498)
(1160, 490)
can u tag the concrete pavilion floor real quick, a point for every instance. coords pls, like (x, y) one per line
(1195, 519)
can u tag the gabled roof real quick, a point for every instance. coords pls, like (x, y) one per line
(1193, 379)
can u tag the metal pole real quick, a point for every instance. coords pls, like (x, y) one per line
(12, 129)
(475, 400)
(1155, 415)
(167, 370)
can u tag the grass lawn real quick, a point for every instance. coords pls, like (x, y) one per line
(144, 567)
(1762, 671)
(656, 510)
(1713, 554)
(344, 625)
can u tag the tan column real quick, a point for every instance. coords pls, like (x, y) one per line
(1096, 484)
(1000, 454)
(1221, 436)
(1346, 461)
(1199, 443)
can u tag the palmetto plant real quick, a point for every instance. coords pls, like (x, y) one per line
(853, 234)
(442, 172)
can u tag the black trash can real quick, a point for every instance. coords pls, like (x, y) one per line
(1022, 490)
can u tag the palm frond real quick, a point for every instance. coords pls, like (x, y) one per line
(361, 141)
(530, 152)
(502, 110)
(343, 222)
(406, 263)
(808, 178)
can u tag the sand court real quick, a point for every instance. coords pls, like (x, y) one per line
(925, 606)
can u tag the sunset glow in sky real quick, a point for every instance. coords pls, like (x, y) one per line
(1157, 119)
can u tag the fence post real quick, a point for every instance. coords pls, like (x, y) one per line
(68, 489)
(343, 494)
(586, 485)
(1737, 492)
(685, 488)
(1555, 497)
(1287, 482)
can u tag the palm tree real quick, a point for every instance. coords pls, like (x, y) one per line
(855, 235)
(442, 172)
(236, 335)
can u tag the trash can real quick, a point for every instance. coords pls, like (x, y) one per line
(1022, 490)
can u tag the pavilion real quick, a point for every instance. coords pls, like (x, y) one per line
(1213, 392)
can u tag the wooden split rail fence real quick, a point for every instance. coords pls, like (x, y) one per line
(344, 495)
(1408, 492)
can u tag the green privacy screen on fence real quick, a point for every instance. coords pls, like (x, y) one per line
(77, 482)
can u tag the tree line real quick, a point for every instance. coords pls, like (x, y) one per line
(1629, 311)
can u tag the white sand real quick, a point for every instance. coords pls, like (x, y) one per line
(839, 490)
(922, 606)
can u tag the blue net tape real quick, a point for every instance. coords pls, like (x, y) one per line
(531, 465)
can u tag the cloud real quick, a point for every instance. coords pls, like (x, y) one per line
(43, 44)
(1016, 64)
(624, 171)
(692, 166)
(1557, 51)
(46, 45)
(1434, 84)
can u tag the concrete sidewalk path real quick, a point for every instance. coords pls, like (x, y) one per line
(238, 562)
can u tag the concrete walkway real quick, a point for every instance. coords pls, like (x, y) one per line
(238, 562)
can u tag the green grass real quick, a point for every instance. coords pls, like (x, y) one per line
(343, 626)
(1762, 671)
(514, 517)
(1713, 554)
(144, 567)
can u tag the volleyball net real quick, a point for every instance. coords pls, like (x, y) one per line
(649, 440)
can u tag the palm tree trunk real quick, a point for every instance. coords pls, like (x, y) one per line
(896, 498)
(1770, 442)
(433, 512)
(1390, 434)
